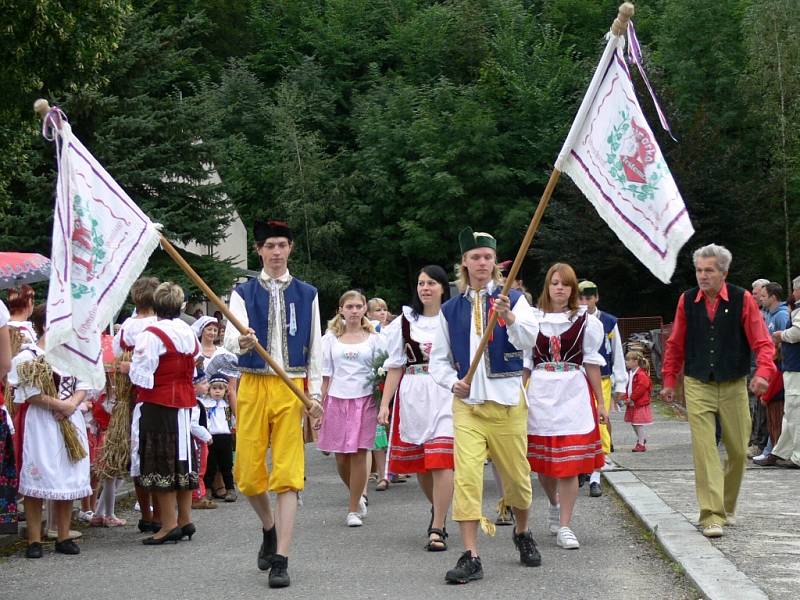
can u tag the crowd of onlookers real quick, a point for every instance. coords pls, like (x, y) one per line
(774, 439)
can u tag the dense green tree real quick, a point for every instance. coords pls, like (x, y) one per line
(379, 128)
(146, 133)
(772, 85)
(48, 47)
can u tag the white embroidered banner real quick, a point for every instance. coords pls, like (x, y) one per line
(101, 243)
(612, 156)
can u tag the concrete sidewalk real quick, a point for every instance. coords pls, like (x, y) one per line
(758, 558)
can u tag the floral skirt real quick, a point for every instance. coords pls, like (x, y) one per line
(8, 474)
(166, 458)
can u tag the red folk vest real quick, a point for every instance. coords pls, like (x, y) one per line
(172, 381)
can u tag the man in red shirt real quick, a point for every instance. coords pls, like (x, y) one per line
(717, 326)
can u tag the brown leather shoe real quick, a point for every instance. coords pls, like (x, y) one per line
(768, 461)
(786, 464)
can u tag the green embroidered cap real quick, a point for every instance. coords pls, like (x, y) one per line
(587, 288)
(469, 240)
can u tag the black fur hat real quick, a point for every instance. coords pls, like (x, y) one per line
(267, 229)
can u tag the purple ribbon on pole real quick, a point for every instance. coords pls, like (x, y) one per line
(635, 56)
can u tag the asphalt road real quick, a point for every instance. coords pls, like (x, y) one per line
(383, 559)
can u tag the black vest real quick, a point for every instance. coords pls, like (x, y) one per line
(716, 350)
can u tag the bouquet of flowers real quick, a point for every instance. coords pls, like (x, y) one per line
(377, 376)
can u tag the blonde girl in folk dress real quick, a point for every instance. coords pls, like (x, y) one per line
(378, 315)
(348, 424)
(564, 365)
(422, 428)
(637, 397)
(47, 471)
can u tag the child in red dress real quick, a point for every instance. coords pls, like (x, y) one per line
(638, 414)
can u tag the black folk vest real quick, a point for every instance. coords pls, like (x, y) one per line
(716, 350)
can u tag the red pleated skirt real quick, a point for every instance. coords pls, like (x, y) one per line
(404, 458)
(562, 456)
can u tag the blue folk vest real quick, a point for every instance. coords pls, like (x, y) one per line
(505, 360)
(298, 298)
(607, 347)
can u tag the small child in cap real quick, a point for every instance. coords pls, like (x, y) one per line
(220, 455)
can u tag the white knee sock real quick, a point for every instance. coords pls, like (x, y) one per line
(639, 429)
(595, 477)
(105, 503)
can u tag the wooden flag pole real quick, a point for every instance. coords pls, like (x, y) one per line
(42, 107)
(618, 27)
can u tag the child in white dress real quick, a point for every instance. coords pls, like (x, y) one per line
(47, 470)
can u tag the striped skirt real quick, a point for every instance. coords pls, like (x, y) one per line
(562, 456)
(405, 458)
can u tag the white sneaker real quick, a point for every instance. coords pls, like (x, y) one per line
(566, 539)
(730, 519)
(362, 508)
(353, 520)
(609, 466)
(713, 531)
(554, 519)
(761, 456)
(84, 517)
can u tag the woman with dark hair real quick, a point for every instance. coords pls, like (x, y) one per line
(162, 368)
(20, 305)
(564, 373)
(422, 421)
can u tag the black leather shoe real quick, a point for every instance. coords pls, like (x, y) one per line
(174, 536)
(279, 574)
(34, 550)
(268, 548)
(582, 478)
(67, 547)
(528, 553)
(768, 461)
(145, 526)
(188, 530)
(595, 491)
(468, 568)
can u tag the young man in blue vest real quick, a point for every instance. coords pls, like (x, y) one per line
(490, 414)
(717, 325)
(614, 375)
(282, 314)
(787, 449)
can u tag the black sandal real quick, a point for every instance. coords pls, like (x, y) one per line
(437, 545)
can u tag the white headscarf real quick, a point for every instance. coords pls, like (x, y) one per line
(202, 323)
